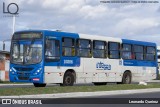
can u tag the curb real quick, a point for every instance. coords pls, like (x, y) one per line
(86, 94)
(15, 84)
(22, 84)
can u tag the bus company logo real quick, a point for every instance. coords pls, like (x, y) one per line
(10, 10)
(103, 66)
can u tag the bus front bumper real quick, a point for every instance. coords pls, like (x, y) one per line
(26, 79)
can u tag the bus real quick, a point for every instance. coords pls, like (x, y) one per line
(45, 56)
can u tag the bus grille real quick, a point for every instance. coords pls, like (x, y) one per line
(23, 75)
(23, 78)
(23, 69)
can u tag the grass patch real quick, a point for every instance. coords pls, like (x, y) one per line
(58, 89)
(8, 82)
(159, 77)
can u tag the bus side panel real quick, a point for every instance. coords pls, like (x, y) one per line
(99, 70)
(52, 74)
(141, 70)
(81, 76)
(146, 73)
(114, 70)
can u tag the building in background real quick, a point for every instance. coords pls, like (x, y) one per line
(4, 65)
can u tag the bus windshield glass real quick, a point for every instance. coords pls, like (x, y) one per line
(27, 51)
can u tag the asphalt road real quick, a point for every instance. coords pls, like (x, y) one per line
(98, 99)
(93, 101)
(122, 99)
(142, 95)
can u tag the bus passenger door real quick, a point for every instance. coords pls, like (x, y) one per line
(52, 68)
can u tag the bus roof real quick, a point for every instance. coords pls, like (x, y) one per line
(138, 42)
(95, 37)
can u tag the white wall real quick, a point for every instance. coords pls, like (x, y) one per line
(2, 75)
(7, 65)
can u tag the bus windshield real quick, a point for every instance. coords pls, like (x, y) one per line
(26, 52)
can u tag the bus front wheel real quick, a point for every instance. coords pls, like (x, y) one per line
(68, 79)
(39, 85)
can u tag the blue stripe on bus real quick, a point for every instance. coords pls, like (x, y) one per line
(133, 42)
(139, 63)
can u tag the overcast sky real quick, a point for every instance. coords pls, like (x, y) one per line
(140, 21)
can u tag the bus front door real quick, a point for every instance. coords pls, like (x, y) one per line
(52, 67)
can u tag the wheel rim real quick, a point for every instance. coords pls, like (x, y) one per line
(127, 79)
(68, 80)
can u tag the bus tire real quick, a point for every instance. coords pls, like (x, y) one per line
(101, 83)
(68, 79)
(39, 85)
(126, 78)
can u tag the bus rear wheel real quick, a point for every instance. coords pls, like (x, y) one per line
(68, 79)
(39, 85)
(126, 78)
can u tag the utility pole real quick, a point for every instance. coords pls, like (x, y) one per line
(13, 30)
(13, 26)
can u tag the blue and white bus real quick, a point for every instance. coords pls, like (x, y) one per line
(44, 56)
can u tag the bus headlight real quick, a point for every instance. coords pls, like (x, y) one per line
(37, 71)
(12, 70)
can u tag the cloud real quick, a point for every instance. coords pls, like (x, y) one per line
(48, 4)
(136, 25)
(132, 21)
(93, 12)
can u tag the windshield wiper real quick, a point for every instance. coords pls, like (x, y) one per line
(30, 46)
(27, 54)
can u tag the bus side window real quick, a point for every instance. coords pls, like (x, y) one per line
(99, 48)
(84, 48)
(52, 50)
(138, 52)
(114, 50)
(68, 46)
(150, 53)
(127, 51)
